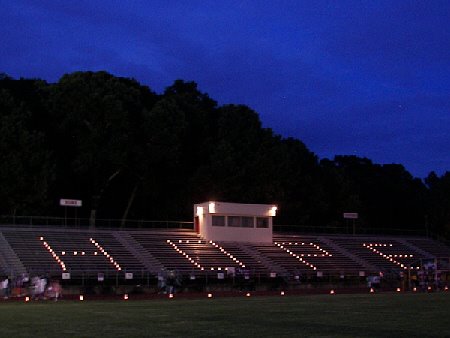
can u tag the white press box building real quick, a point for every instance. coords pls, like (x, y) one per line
(222, 221)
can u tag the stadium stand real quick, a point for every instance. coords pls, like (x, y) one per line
(430, 247)
(384, 253)
(318, 252)
(255, 263)
(85, 252)
(9, 262)
(50, 251)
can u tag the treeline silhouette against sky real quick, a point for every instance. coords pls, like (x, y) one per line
(129, 152)
(347, 77)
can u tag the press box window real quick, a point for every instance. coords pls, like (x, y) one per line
(262, 222)
(218, 221)
(234, 221)
(247, 222)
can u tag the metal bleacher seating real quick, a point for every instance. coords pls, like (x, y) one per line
(188, 253)
(50, 251)
(319, 252)
(85, 252)
(431, 247)
(384, 253)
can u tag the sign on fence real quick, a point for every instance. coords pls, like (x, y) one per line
(351, 215)
(70, 203)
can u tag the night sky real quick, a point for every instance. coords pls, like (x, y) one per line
(369, 78)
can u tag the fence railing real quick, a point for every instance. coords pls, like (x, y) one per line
(39, 221)
(344, 230)
(49, 221)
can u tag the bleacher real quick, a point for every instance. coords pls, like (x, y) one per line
(252, 262)
(430, 247)
(318, 252)
(52, 251)
(155, 242)
(382, 252)
(186, 252)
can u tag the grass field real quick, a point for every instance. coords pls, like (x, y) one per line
(369, 315)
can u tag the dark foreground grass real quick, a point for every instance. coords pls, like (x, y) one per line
(371, 315)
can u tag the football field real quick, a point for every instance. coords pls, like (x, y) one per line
(368, 315)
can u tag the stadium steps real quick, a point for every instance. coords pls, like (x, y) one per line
(12, 263)
(348, 254)
(141, 254)
(264, 260)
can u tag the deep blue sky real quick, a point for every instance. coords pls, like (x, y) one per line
(370, 78)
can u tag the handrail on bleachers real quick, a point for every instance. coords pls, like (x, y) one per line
(83, 223)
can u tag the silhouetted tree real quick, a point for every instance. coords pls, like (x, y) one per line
(26, 169)
(438, 208)
(130, 153)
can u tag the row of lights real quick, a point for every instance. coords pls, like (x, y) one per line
(229, 255)
(183, 253)
(106, 254)
(297, 256)
(401, 256)
(53, 253)
(187, 241)
(82, 253)
(389, 257)
(75, 253)
(248, 294)
(324, 252)
(180, 251)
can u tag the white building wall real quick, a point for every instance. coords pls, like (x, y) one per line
(206, 211)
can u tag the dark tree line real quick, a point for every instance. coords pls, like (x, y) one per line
(129, 152)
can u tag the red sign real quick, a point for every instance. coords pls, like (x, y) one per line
(70, 203)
